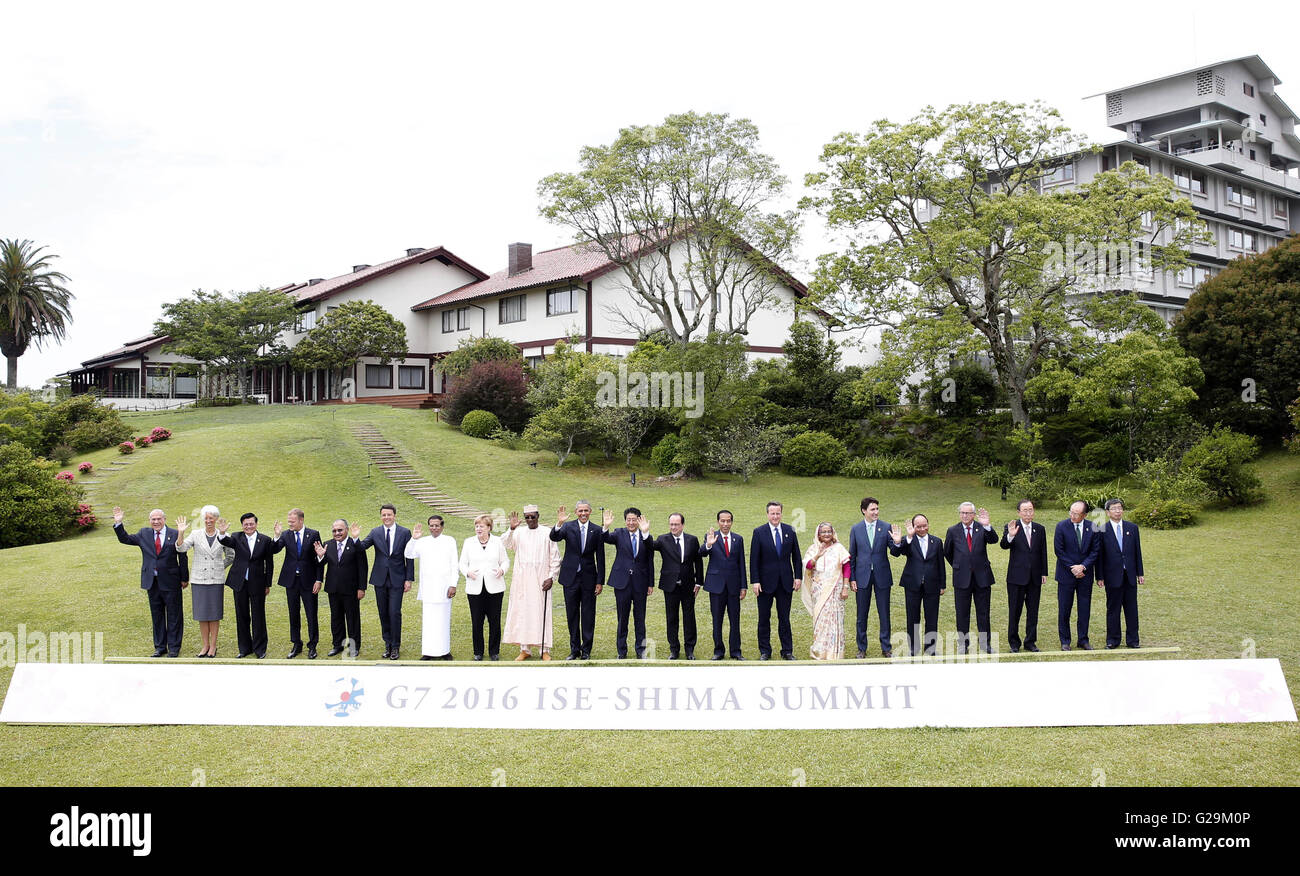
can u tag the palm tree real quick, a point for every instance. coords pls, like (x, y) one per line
(33, 301)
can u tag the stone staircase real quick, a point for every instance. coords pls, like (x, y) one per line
(386, 458)
(423, 401)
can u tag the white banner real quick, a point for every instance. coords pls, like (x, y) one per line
(655, 697)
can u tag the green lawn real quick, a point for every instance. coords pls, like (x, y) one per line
(1216, 590)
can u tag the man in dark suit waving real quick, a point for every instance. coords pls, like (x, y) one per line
(1119, 570)
(250, 578)
(870, 574)
(582, 575)
(1077, 546)
(1026, 573)
(725, 583)
(343, 563)
(966, 547)
(164, 573)
(632, 576)
(681, 573)
(391, 574)
(775, 572)
(298, 578)
(924, 579)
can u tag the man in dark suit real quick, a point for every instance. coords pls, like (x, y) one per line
(681, 573)
(1119, 570)
(343, 565)
(250, 577)
(924, 580)
(1026, 573)
(582, 575)
(1077, 546)
(164, 573)
(632, 575)
(391, 574)
(869, 573)
(725, 583)
(966, 547)
(298, 578)
(775, 572)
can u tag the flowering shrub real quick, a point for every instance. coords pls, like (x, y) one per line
(64, 476)
(160, 434)
(86, 467)
(126, 447)
(143, 441)
(84, 517)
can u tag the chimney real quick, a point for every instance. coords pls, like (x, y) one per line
(521, 258)
(415, 250)
(314, 280)
(356, 268)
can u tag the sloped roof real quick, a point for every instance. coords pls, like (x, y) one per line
(306, 293)
(126, 351)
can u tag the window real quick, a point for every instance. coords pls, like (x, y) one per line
(305, 321)
(1263, 119)
(1194, 275)
(410, 377)
(1241, 195)
(922, 205)
(1058, 175)
(560, 301)
(158, 381)
(535, 361)
(379, 377)
(1247, 89)
(1280, 208)
(449, 320)
(512, 309)
(1148, 219)
(1243, 240)
(1190, 180)
(462, 318)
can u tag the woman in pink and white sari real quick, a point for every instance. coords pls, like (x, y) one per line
(826, 586)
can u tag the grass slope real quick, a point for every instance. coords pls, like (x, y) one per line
(1217, 590)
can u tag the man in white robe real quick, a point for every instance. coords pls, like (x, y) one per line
(438, 573)
(537, 563)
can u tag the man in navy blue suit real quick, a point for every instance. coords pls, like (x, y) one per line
(1026, 574)
(632, 575)
(966, 548)
(1077, 546)
(775, 572)
(298, 578)
(725, 583)
(391, 574)
(164, 573)
(1119, 570)
(250, 578)
(869, 572)
(924, 580)
(582, 575)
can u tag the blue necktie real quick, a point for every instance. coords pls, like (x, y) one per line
(634, 541)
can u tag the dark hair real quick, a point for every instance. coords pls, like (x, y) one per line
(914, 516)
(777, 504)
(868, 502)
(1109, 502)
(1022, 502)
(243, 517)
(677, 514)
(390, 506)
(433, 517)
(627, 511)
(728, 513)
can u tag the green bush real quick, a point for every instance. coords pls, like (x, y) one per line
(664, 454)
(813, 453)
(480, 424)
(33, 504)
(1220, 460)
(1170, 480)
(1168, 514)
(505, 438)
(882, 466)
(1109, 455)
(1092, 496)
(62, 453)
(218, 401)
(995, 476)
(1038, 483)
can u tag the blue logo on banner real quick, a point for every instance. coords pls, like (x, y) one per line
(349, 700)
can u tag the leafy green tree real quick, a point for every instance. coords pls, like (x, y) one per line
(229, 333)
(348, 332)
(35, 507)
(686, 210)
(743, 447)
(471, 351)
(1243, 325)
(34, 303)
(957, 244)
(563, 393)
(1131, 383)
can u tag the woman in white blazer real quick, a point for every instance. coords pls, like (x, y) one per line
(208, 562)
(484, 563)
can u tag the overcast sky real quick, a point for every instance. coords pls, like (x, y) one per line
(159, 148)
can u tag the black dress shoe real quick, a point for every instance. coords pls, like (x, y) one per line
(1015, 650)
(447, 656)
(1085, 646)
(690, 655)
(334, 652)
(178, 653)
(387, 651)
(293, 652)
(393, 655)
(764, 656)
(716, 657)
(1111, 647)
(1134, 645)
(478, 656)
(494, 657)
(1065, 646)
(158, 653)
(672, 655)
(311, 653)
(862, 655)
(737, 657)
(886, 653)
(1032, 649)
(787, 656)
(427, 657)
(261, 656)
(622, 656)
(572, 657)
(242, 655)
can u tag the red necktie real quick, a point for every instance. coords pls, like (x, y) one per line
(970, 547)
(157, 544)
(726, 545)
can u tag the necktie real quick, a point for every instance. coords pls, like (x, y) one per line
(340, 551)
(970, 546)
(680, 553)
(299, 535)
(390, 541)
(1028, 532)
(157, 543)
(726, 545)
(1119, 537)
(1078, 533)
(582, 543)
(776, 537)
(871, 535)
(635, 539)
